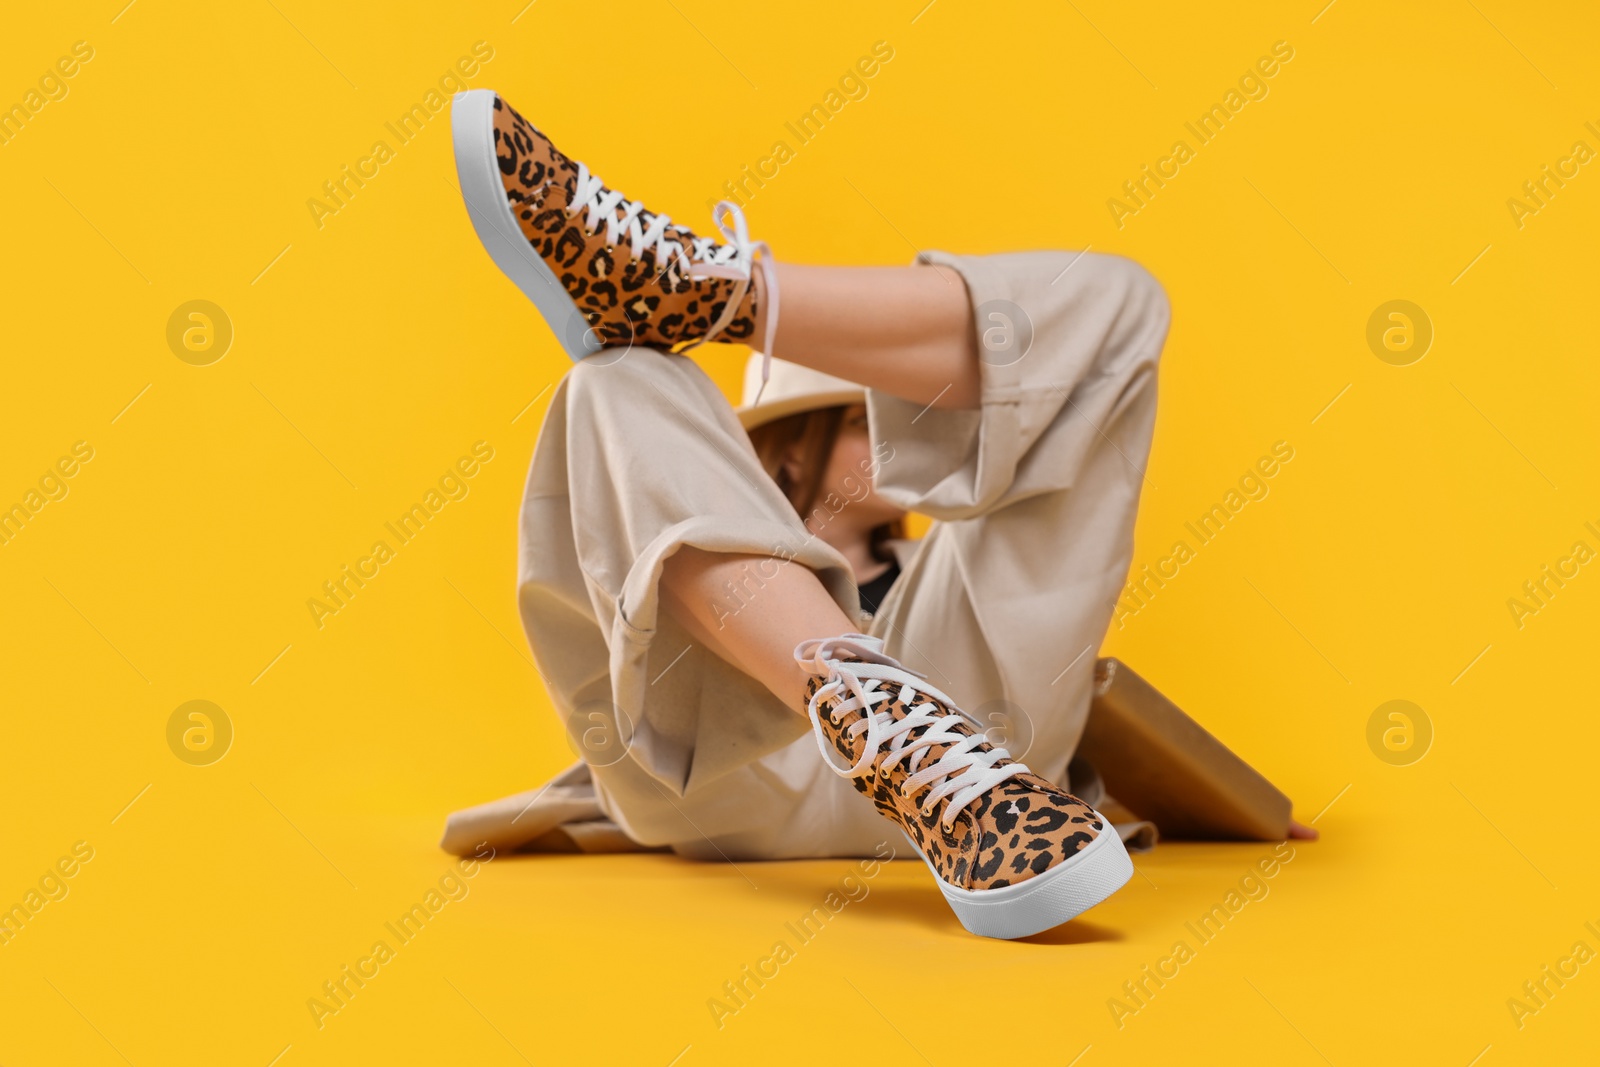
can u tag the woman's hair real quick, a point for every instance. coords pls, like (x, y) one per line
(814, 432)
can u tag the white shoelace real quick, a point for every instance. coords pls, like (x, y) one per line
(707, 259)
(960, 773)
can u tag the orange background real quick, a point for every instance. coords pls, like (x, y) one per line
(370, 353)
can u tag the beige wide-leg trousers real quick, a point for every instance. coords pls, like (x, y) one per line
(1002, 605)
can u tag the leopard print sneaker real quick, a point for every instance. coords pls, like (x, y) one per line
(1013, 854)
(602, 270)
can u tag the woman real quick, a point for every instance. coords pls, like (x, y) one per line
(698, 619)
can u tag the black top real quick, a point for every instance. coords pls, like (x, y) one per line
(873, 592)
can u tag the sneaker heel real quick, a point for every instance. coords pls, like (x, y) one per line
(472, 133)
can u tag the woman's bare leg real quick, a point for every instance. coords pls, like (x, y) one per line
(905, 330)
(783, 611)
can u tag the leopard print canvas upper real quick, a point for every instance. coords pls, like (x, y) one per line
(1018, 829)
(624, 300)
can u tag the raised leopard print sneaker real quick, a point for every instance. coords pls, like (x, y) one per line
(602, 270)
(1013, 854)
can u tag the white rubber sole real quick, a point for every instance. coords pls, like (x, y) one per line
(472, 131)
(1046, 900)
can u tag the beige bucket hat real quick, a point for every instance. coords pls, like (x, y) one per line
(791, 389)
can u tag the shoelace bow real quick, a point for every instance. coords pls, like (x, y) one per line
(961, 772)
(706, 258)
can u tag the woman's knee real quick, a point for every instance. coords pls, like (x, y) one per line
(1136, 292)
(610, 376)
(627, 394)
(1140, 313)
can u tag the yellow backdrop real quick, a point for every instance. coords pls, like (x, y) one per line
(189, 475)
